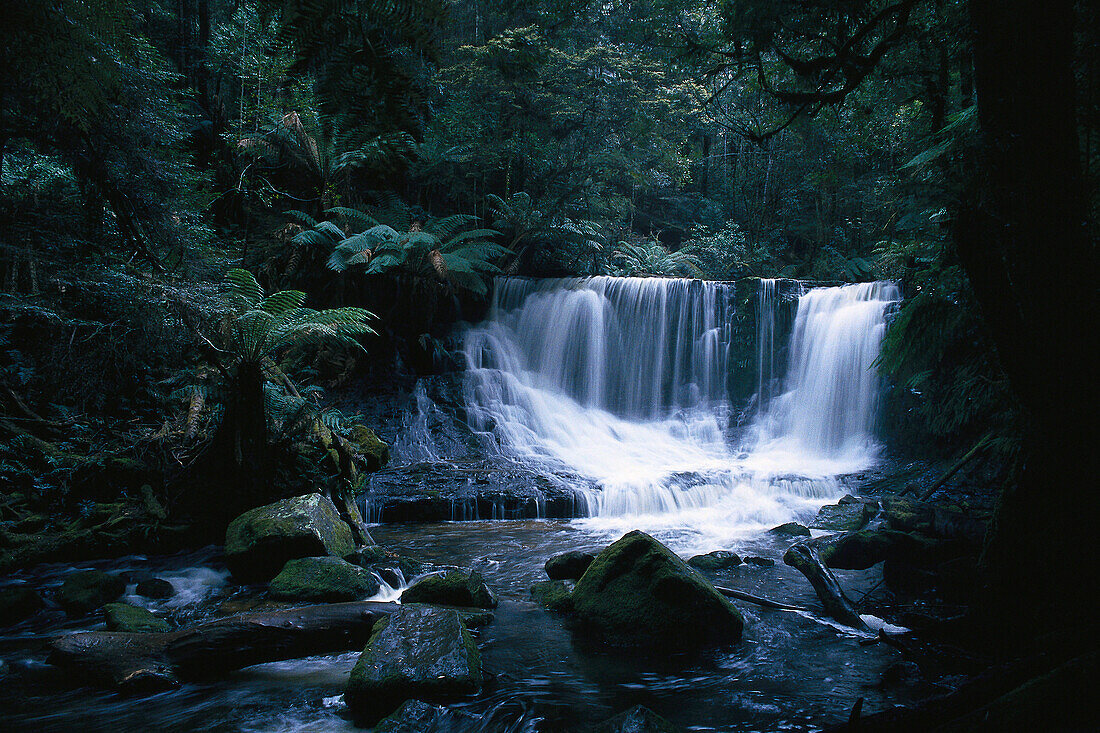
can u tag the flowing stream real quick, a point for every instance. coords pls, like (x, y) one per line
(622, 384)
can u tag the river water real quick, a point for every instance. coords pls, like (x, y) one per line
(623, 382)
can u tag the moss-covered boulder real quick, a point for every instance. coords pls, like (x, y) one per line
(638, 719)
(373, 449)
(568, 565)
(553, 595)
(418, 652)
(847, 517)
(416, 716)
(156, 588)
(760, 562)
(638, 592)
(790, 529)
(124, 617)
(261, 541)
(17, 603)
(451, 588)
(322, 580)
(717, 560)
(84, 592)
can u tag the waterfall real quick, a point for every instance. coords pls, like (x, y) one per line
(623, 380)
(829, 402)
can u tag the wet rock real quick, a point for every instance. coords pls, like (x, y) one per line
(638, 719)
(417, 717)
(476, 619)
(760, 562)
(451, 588)
(83, 592)
(899, 673)
(417, 653)
(259, 542)
(18, 603)
(717, 560)
(638, 592)
(790, 529)
(369, 446)
(155, 588)
(553, 595)
(860, 550)
(843, 517)
(904, 515)
(124, 617)
(322, 580)
(568, 565)
(367, 556)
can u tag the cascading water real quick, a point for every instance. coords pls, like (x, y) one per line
(623, 380)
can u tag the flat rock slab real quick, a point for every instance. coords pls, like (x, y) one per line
(259, 542)
(420, 653)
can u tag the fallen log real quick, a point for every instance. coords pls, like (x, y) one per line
(150, 662)
(766, 603)
(803, 557)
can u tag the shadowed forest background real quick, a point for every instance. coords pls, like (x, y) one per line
(359, 171)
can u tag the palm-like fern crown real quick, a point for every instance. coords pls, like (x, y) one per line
(266, 325)
(381, 240)
(650, 257)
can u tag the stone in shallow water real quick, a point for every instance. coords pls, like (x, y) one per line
(639, 593)
(790, 529)
(86, 591)
(259, 542)
(419, 653)
(322, 580)
(638, 719)
(451, 588)
(552, 595)
(760, 562)
(124, 617)
(717, 560)
(843, 517)
(155, 588)
(568, 565)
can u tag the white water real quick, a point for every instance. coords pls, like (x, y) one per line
(623, 380)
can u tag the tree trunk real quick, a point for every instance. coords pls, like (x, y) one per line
(240, 457)
(1022, 239)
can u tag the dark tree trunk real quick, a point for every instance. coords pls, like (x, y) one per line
(1022, 239)
(240, 458)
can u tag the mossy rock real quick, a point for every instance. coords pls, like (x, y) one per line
(639, 593)
(259, 542)
(568, 565)
(416, 716)
(418, 652)
(18, 603)
(638, 719)
(904, 515)
(451, 588)
(372, 448)
(717, 560)
(847, 517)
(790, 529)
(124, 617)
(84, 592)
(322, 580)
(156, 588)
(553, 595)
(367, 556)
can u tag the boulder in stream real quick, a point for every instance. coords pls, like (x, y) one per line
(845, 517)
(417, 653)
(451, 588)
(322, 580)
(553, 595)
(790, 529)
(568, 565)
(83, 592)
(639, 719)
(124, 617)
(259, 542)
(638, 592)
(155, 588)
(416, 716)
(717, 560)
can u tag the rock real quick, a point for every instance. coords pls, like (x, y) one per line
(322, 580)
(568, 565)
(367, 556)
(155, 588)
(124, 617)
(843, 517)
(717, 560)
(369, 446)
(451, 588)
(904, 515)
(638, 592)
(418, 653)
(553, 595)
(761, 562)
(83, 592)
(790, 529)
(260, 542)
(417, 717)
(476, 619)
(638, 719)
(17, 603)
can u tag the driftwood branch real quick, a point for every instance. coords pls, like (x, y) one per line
(149, 662)
(742, 596)
(957, 467)
(803, 557)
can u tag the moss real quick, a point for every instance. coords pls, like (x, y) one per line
(86, 591)
(790, 529)
(370, 446)
(553, 595)
(322, 579)
(717, 560)
(124, 617)
(452, 588)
